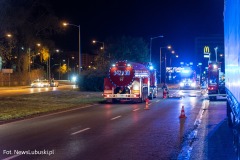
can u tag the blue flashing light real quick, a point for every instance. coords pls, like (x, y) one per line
(185, 71)
(215, 66)
(151, 67)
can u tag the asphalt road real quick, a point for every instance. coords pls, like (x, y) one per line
(105, 131)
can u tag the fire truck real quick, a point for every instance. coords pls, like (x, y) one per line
(130, 81)
(216, 83)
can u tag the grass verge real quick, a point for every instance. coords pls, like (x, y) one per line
(18, 107)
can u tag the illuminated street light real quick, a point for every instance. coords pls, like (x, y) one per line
(9, 35)
(94, 41)
(151, 45)
(79, 45)
(168, 47)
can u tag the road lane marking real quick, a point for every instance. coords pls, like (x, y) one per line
(136, 109)
(80, 131)
(8, 158)
(116, 118)
(157, 100)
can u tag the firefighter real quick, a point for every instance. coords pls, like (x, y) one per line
(165, 90)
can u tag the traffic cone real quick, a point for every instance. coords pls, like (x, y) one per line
(164, 93)
(182, 115)
(147, 105)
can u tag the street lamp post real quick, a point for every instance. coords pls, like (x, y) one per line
(170, 60)
(166, 63)
(151, 45)
(160, 69)
(79, 44)
(216, 48)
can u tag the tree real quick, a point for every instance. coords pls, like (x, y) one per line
(123, 48)
(7, 44)
(129, 48)
(63, 69)
(44, 54)
(29, 22)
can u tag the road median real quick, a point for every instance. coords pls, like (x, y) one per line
(31, 105)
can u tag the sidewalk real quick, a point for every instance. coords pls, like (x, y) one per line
(215, 139)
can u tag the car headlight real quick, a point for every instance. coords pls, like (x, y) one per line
(181, 84)
(193, 84)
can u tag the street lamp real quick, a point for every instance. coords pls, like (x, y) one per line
(168, 47)
(151, 45)
(94, 41)
(9, 35)
(79, 45)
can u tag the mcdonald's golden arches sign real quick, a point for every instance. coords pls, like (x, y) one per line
(206, 50)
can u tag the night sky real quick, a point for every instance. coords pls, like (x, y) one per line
(179, 21)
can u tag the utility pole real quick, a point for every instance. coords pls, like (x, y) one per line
(49, 67)
(216, 48)
(68, 70)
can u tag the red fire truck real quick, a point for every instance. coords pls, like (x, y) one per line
(130, 81)
(216, 84)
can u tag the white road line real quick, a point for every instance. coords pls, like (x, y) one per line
(185, 152)
(136, 109)
(116, 118)
(80, 131)
(157, 100)
(8, 158)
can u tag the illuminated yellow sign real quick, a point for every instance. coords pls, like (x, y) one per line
(206, 49)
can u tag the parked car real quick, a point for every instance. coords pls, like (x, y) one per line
(54, 83)
(40, 83)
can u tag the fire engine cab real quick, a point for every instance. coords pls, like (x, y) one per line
(216, 84)
(130, 81)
